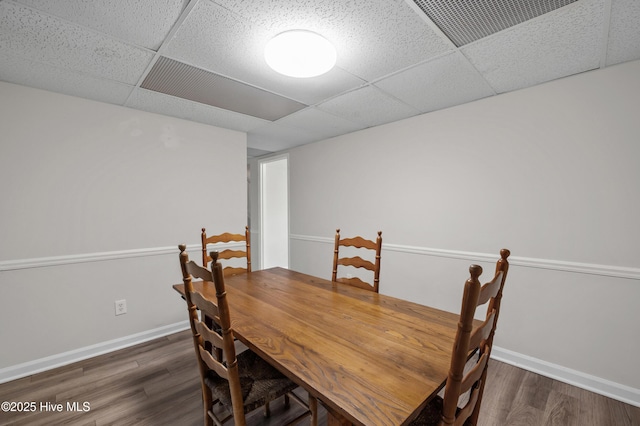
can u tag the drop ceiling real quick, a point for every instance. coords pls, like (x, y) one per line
(202, 60)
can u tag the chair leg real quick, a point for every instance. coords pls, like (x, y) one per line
(207, 402)
(287, 403)
(267, 410)
(313, 407)
(473, 419)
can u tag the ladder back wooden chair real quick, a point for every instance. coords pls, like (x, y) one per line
(241, 383)
(228, 254)
(357, 261)
(467, 376)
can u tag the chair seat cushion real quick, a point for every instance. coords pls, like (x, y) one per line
(260, 383)
(430, 415)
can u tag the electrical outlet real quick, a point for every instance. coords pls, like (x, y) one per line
(121, 306)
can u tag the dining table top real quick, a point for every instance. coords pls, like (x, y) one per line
(371, 359)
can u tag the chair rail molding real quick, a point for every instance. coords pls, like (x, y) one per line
(527, 262)
(43, 262)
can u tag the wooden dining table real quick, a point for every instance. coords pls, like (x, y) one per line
(370, 359)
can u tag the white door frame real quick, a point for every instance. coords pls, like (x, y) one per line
(262, 163)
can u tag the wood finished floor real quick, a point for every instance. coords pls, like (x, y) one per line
(156, 383)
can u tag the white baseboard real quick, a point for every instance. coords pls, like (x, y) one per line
(43, 364)
(579, 379)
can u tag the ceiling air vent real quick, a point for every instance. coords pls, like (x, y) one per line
(184, 81)
(465, 21)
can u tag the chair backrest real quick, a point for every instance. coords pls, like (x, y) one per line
(468, 338)
(357, 261)
(203, 335)
(228, 253)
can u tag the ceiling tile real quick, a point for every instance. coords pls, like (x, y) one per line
(234, 46)
(564, 42)
(253, 152)
(223, 39)
(39, 37)
(34, 74)
(308, 90)
(320, 122)
(158, 103)
(368, 106)
(393, 62)
(141, 22)
(624, 32)
(437, 84)
(274, 137)
(373, 38)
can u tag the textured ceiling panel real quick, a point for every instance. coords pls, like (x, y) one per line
(184, 81)
(34, 35)
(141, 22)
(253, 152)
(624, 31)
(368, 106)
(438, 84)
(561, 43)
(274, 137)
(467, 21)
(42, 76)
(319, 122)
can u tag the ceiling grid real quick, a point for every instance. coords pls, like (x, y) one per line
(395, 59)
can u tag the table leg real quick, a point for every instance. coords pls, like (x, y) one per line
(335, 419)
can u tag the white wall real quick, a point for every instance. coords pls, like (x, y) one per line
(550, 172)
(95, 200)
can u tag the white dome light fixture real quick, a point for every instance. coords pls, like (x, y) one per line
(300, 53)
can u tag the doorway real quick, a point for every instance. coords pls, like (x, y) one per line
(274, 212)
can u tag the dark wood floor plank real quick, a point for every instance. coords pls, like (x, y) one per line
(156, 383)
(534, 390)
(37, 387)
(522, 415)
(634, 414)
(502, 385)
(619, 413)
(561, 410)
(593, 409)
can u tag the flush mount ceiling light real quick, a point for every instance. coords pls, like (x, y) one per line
(300, 53)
